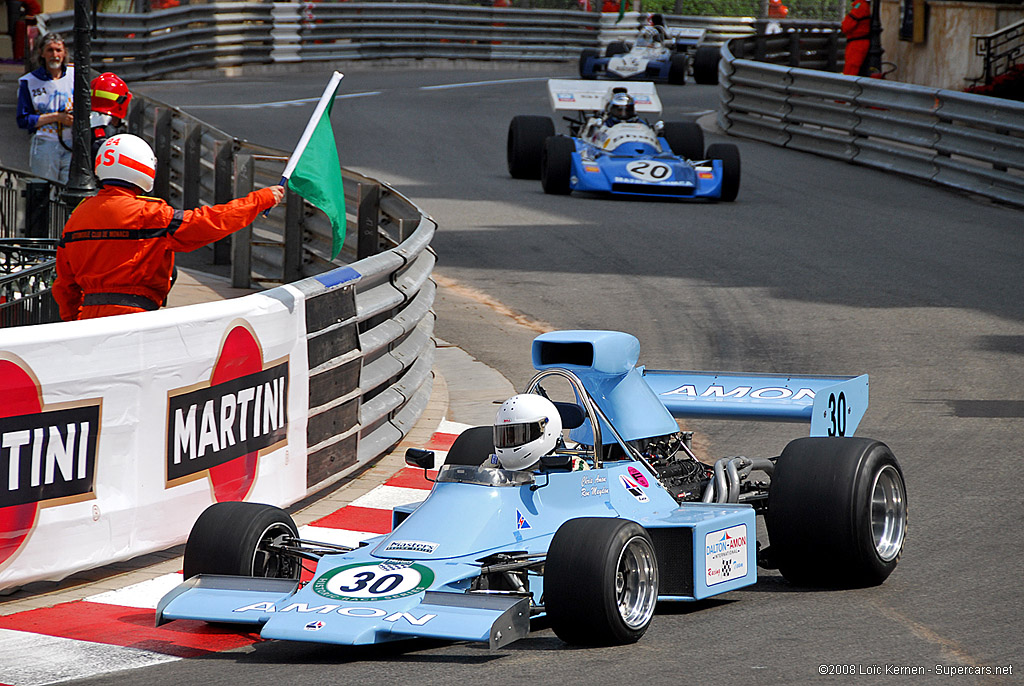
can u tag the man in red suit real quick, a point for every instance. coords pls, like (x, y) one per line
(856, 27)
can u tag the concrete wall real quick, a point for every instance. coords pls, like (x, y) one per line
(946, 58)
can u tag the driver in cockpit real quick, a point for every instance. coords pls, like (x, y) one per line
(526, 428)
(621, 108)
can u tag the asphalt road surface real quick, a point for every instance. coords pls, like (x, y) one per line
(818, 267)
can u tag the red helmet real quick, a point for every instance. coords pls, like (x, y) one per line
(110, 95)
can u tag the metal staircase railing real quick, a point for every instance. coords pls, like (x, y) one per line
(1001, 50)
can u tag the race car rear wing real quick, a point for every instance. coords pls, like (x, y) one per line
(687, 36)
(834, 405)
(592, 96)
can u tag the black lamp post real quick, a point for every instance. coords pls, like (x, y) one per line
(81, 183)
(874, 58)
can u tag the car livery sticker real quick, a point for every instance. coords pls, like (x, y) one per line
(650, 171)
(638, 477)
(359, 612)
(521, 522)
(593, 485)
(725, 554)
(425, 547)
(633, 488)
(364, 582)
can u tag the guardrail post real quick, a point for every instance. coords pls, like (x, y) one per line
(136, 119)
(223, 191)
(760, 40)
(368, 220)
(192, 171)
(294, 224)
(241, 247)
(794, 48)
(833, 51)
(162, 184)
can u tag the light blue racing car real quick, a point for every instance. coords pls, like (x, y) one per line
(612, 149)
(618, 516)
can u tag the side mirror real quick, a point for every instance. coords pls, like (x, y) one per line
(418, 457)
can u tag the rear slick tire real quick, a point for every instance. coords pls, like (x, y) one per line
(837, 512)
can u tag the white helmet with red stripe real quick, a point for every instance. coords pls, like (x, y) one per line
(127, 158)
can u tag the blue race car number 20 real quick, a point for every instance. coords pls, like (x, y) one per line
(649, 171)
(382, 581)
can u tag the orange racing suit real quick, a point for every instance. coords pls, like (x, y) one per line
(117, 252)
(856, 27)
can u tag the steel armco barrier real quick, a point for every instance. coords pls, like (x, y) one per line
(229, 34)
(970, 142)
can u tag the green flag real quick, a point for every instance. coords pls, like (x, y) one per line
(622, 10)
(314, 172)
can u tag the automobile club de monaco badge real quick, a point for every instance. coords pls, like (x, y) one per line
(47, 452)
(220, 427)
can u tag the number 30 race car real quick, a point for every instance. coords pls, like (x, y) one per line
(618, 516)
(611, 149)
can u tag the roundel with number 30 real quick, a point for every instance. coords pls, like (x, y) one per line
(649, 170)
(383, 581)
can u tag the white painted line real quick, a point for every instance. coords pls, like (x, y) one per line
(349, 539)
(447, 427)
(389, 497)
(277, 103)
(144, 595)
(447, 86)
(28, 659)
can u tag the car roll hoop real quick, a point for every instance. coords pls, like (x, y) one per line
(594, 413)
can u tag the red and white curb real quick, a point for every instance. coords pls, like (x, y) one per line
(113, 631)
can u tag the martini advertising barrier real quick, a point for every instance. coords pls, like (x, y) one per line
(116, 433)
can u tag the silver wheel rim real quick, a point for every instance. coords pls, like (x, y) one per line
(636, 582)
(270, 563)
(888, 513)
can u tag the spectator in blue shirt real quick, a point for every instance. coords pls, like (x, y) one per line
(44, 110)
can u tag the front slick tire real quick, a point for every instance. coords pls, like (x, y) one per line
(730, 156)
(234, 538)
(600, 581)
(556, 165)
(525, 144)
(837, 512)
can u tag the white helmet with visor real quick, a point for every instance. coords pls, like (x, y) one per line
(526, 428)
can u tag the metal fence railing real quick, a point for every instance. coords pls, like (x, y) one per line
(29, 206)
(26, 274)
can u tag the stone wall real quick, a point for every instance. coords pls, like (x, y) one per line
(946, 58)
